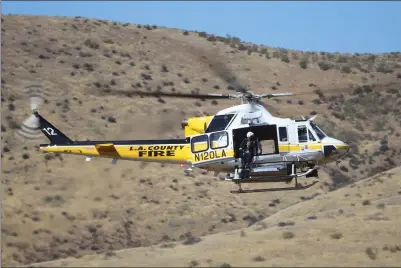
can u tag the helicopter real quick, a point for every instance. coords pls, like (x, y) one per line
(211, 143)
(296, 148)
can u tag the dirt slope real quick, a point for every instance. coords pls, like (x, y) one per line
(358, 225)
(56, 207)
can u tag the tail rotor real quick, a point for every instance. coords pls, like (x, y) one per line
(30, 128)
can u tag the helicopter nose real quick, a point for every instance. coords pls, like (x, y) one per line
(343, 147)
(335, 148)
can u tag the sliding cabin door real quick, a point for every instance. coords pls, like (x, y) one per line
(211, 148)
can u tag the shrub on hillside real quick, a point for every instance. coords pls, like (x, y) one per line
(249, 51)
(346, 69)
(288, 235)
(324, 65)
(263, 50)
(342, 59)
(92, 44)
(382, 68)
(371, 252)
(285, 58)
(202, 34)
(242, 47)
(211, 38)
(303, 63)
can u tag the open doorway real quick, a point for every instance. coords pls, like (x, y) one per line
(267, 135)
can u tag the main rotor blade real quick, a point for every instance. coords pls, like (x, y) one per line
(221, 70)
(130, 93)
(273, 95)
(218, 67)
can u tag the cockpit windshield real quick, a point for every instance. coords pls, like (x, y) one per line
(318, 131)
(219, 122)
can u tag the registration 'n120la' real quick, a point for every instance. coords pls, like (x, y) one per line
(209, 155)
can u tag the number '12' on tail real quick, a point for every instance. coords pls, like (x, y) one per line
(51, 132)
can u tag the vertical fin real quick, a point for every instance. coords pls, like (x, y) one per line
(51, 132)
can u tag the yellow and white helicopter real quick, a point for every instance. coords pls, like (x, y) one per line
(298, 147)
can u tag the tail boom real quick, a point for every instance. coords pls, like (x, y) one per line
(176, 151)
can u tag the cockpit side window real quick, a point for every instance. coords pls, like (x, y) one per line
(219, 122)
(317, 130)
(302, 134)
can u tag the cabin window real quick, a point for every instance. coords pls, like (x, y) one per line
(219, 140)
(283, 133)
(302, 134)
(311, 136)
(219, 122)
(199, 144)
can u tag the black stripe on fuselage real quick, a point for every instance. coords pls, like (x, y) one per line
(124, 142)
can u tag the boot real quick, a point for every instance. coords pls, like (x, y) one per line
(241, 174)
(246, 173)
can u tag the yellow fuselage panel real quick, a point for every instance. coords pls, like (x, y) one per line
(190, 132)
(200, 146)
(295, 147)
(307, 146)
(162, 152)
(179, 153)
(196, 125)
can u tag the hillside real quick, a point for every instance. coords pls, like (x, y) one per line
(56, 207)
(335, 229)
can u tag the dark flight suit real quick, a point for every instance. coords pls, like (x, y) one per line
(248, 149)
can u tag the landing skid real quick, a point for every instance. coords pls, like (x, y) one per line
(237, 180)
(295, 188)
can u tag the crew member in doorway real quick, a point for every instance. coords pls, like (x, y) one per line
(249, 147)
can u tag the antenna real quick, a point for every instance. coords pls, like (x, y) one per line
(200, 111)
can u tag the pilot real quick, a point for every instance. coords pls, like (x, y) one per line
(249, 147)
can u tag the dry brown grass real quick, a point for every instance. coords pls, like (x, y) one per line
(343, 233)
(63, 206)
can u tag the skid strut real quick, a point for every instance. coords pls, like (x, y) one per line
(239, 187)
(293, 174)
